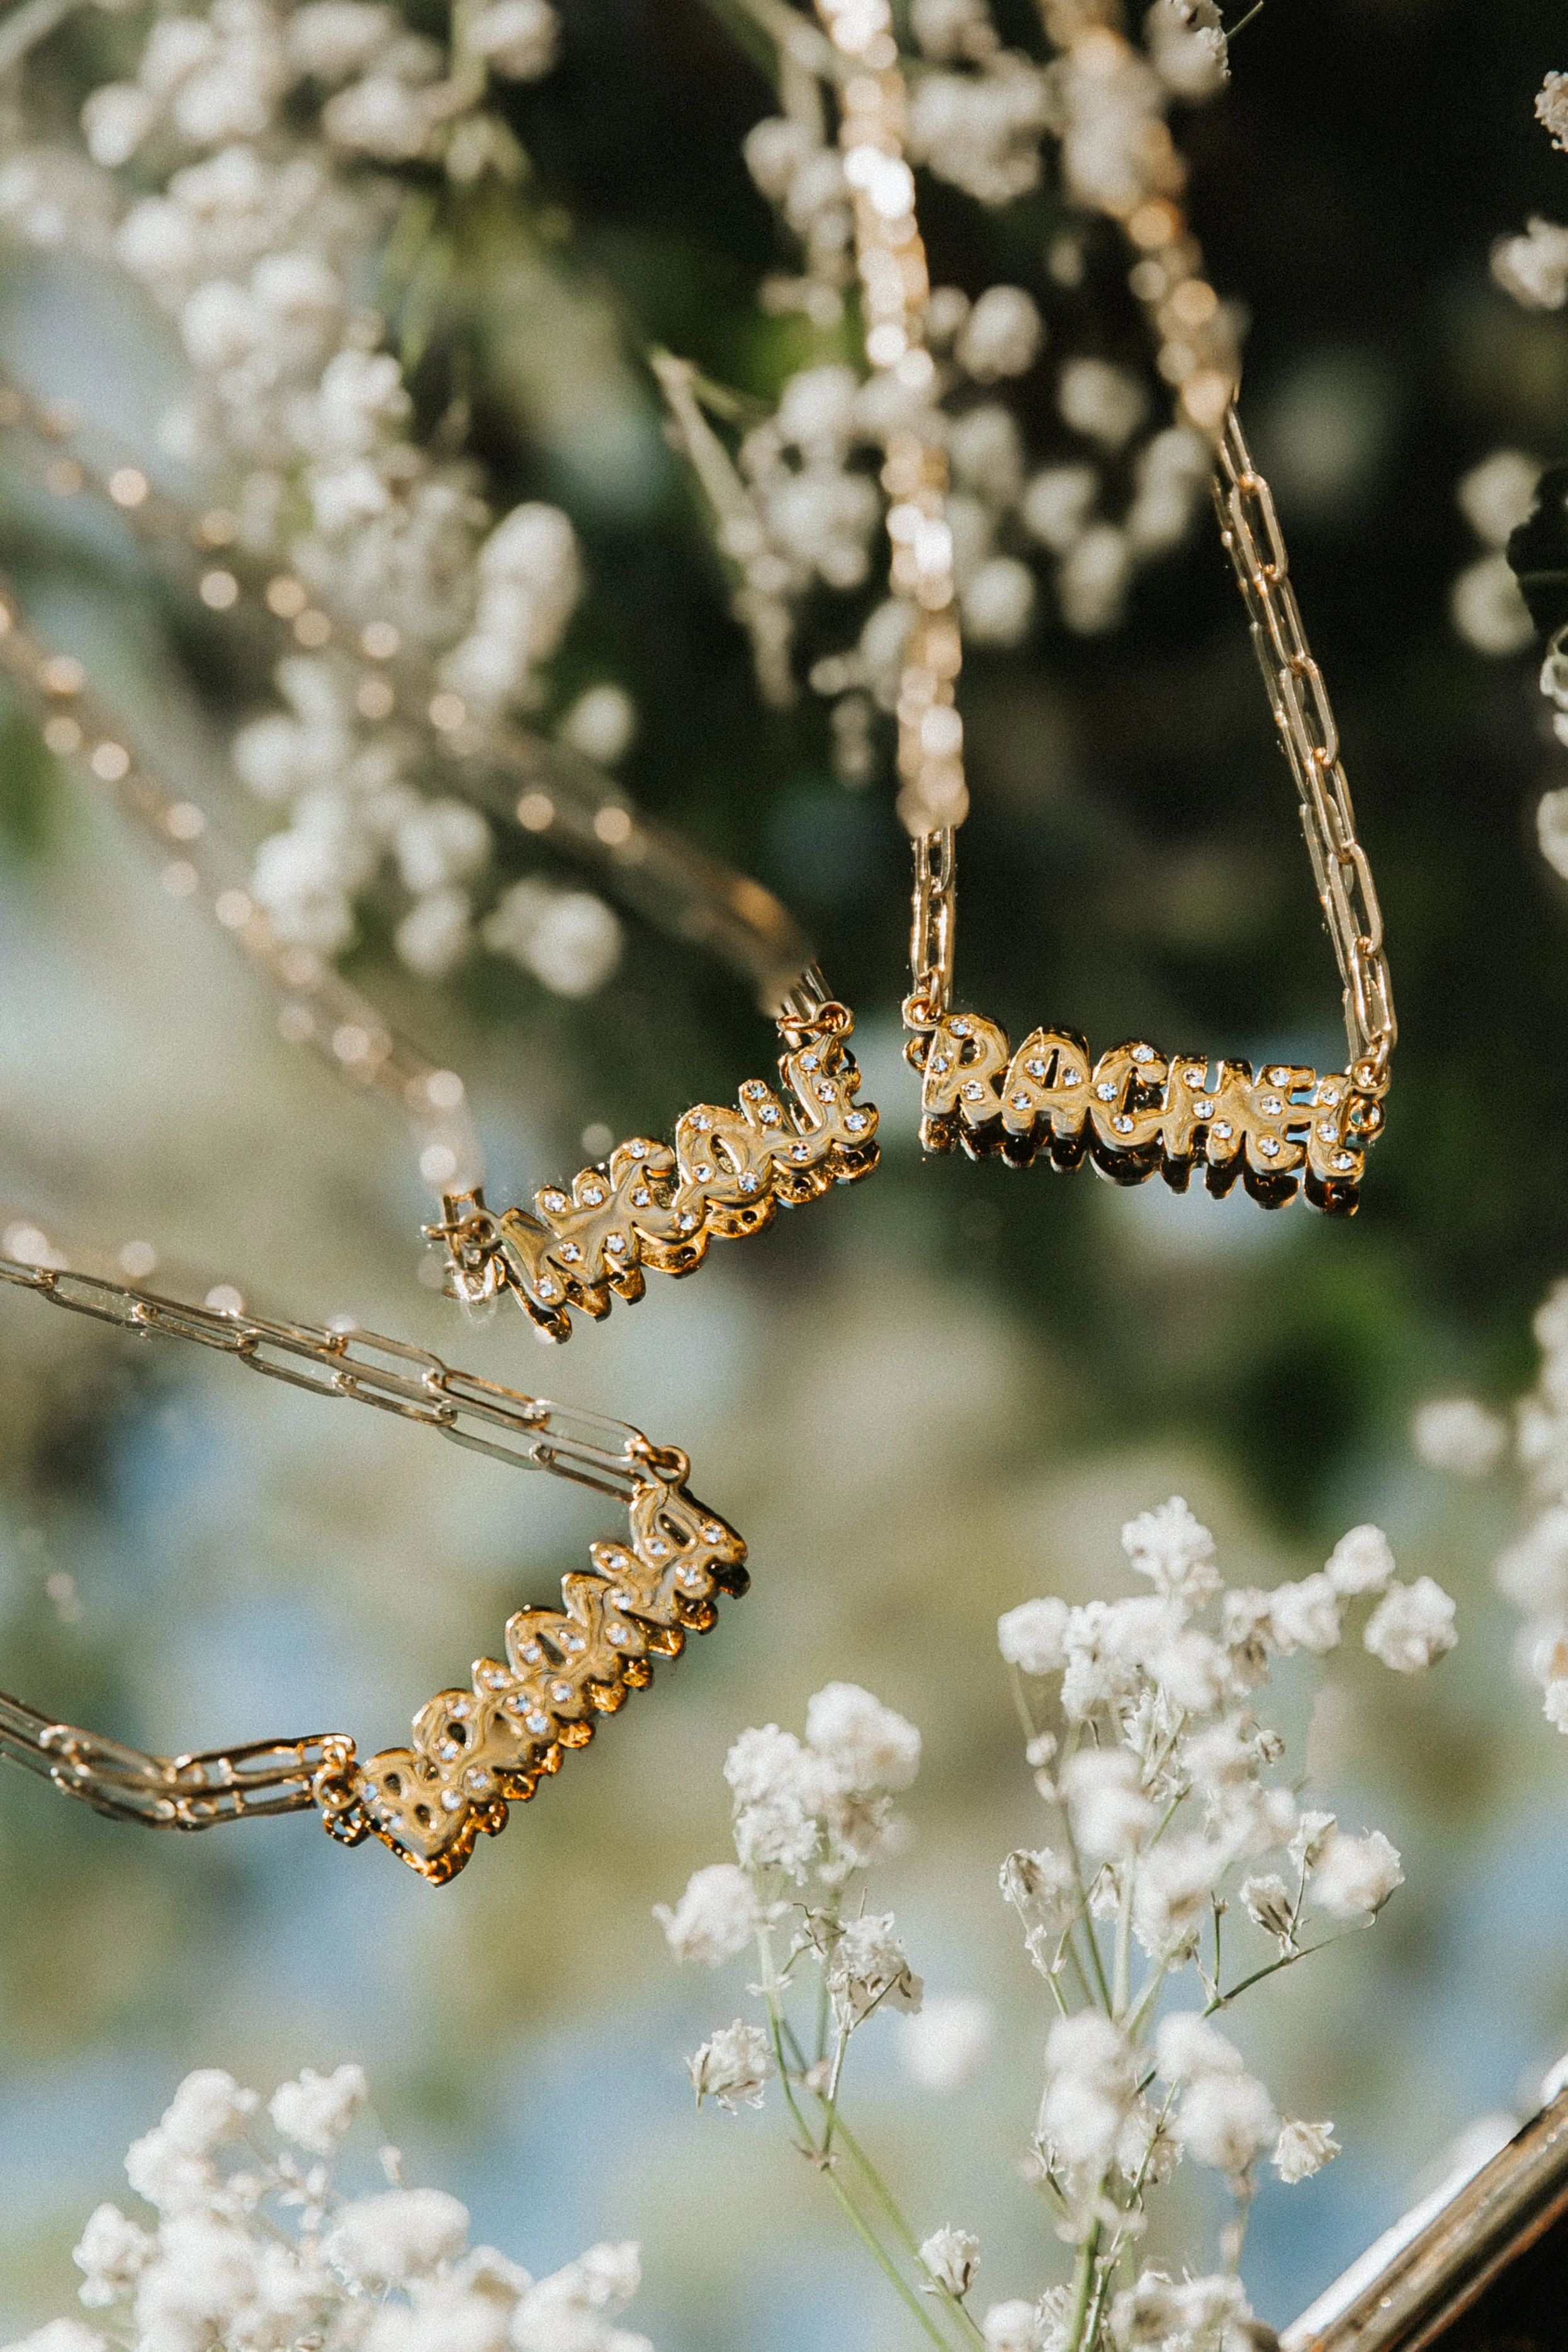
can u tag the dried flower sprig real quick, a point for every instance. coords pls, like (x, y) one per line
(1170, 1816)
(250, 2243)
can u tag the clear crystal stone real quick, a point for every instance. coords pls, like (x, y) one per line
(1068, 1079)
(960, 1028)
(1035, 1069)
(547, 1290)
(1269, 1147)
(638, 1150)
(1329, 1091)
(572, 1254)
(533, 1653)
(748, 1183)
(701, 1121)
(1020, 1102)
(1123, 1123)
(1204, 1109)
(1279, 1077)
(704, 1174)
(460, 1708)
(537, 1722)
(553, 1202)
(657, 1547)
(799, 1152)
(1106, 1093)
(1326, 1130)
(560, 1693)
(616, 1245)
(1143, 1052)
(855, 1121)
(1342, 1160)
(769, 1115)
(618, 1635)
(686, 1222)
(593, 1196)
(810, 1061)
(641, 1197)
(1270, 1106)
(691, 1578)
(451, 1801)
(1223, 1129)
(1195, 1077)
(712, 1533)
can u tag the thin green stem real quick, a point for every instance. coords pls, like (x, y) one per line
(1121, 1991)
(1287, 1960)
(1256, 10)
(1020, 1701)
(890, 2205)
(1082, 2288)
(886, 2265)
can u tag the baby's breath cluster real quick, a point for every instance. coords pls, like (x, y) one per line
(1181, 1868)
(797, 505)
(280, 183)
(244, 2242)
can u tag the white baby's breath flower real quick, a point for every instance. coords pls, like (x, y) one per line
(1412, 1626)
(868, 1745)
(1172, 1893)
(1033, 1636)
(1554, 1704)
(1312, 1834)
(1302, 2150)
(1224, 2120)
(1011, 2327)
(1111, 1814)
(1457, 1433)
(1488, 610)
(518, 38)
(317, 2110)
(943, 2047)
(1175, 1551)
(1104, 403)
(111, 2254)
(1305, 1615)
(1497, 495)
(1268, 1902)
(717, 1917)
(1089, 2084)
(62, 2336)
(1362, 1561)
(402, 2234)
(950, 2255)
(1354, 1875)
(1534, 268)
(1187, 2047)
(1551, 108)
(867, 1969)
(732, 2067)
(767, 1766)
(601, 724)
(1001, 335)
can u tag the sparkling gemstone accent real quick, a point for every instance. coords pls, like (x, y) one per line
(752, 1088)
(972, 1090)
(533, 1653)
(960, 1028)
(701, 1121)
(1270, 1106)
(448, 1749)
(640, 1198)
(638, 1150)
(537, 1722)
(478, 1780)
(692, 1578)
(592, 1195)
(1035, 1069)
(1342, 1160)
(769, 1114)
(810, 1061)
(572, 1254)
(824, 1091)
(855, 1121)
(1279, 1077)
(1269, 1147)
(1143, 1052)
(1195, 1077)
(1020, 1102)
(571, 1640)
(514, 1704)
(1328, 1092)
(713, 1532)
(938, 1061)
(618, 1635)
(460, 1708)
(1224, 1129)
(560, 1693)
(497, 1679)
(548, 1290)
(1205, 1110)
(748, 1183)
(1326, 1130)
(686, 1222)
(1106, 1093)
(621, 1600)
(451, 1801)
(704, 1174)
(616, 1245)
(799, 1152)
(657, 1549)
(1123, 1123)
(553, 1202)
(1068, 1079)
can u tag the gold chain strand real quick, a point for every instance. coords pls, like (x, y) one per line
(473, 1751)
(1134, 1111)
(647, 1205)
(520, 778)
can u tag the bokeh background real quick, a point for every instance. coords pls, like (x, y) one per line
(935, 1395)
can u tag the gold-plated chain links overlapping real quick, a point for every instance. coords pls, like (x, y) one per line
(587, 1241)
(1134, 1110)
(473, 1751)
